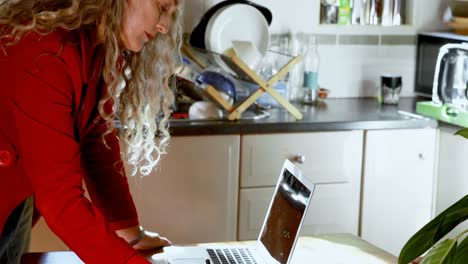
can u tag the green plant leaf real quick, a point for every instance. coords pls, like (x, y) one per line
(432, 232)
(442, 253)
(461, 256)
(463, 133)
(420, 242)
(451, 220)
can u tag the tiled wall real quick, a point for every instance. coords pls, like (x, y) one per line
(353, 70)
(351, 64)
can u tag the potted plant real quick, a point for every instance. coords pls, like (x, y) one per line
(449, 251)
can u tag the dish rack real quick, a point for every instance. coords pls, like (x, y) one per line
(265, 80)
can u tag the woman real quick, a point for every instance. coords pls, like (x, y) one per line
(65, 66)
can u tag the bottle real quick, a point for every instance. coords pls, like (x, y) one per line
(296, 73)
(311, 71)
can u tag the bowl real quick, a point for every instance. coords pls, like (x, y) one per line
(219, 82)
(204, 110)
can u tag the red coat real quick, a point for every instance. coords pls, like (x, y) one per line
(51, 133)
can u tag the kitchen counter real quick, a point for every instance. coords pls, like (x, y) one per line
(333, 248)
(328, 115)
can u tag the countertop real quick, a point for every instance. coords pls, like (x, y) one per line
(333, 248)
(328, 115)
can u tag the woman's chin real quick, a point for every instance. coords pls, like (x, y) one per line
(136, 46)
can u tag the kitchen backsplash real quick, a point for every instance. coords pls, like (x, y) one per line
(353, 70)
(351, 63)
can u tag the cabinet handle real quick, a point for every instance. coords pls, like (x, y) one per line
(300, 159)
(421, 156)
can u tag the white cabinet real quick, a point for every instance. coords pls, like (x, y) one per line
(193, 195)
(452, 182)
(218, 188)
(332, 161)
(42, 239)
(398, 185)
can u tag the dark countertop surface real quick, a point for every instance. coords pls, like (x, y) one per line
(328, 115)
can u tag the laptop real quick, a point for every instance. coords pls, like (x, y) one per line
(279, 233)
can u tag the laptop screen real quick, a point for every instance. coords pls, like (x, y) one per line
(285, 216)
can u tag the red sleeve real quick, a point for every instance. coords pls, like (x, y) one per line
(41, 104)
(106, 180)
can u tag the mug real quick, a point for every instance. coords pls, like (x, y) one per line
(391, 88)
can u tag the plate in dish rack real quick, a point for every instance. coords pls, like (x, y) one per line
(237, 22)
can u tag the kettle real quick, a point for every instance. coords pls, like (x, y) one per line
(450, 84)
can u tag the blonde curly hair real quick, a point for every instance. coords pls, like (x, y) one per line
(139, 90)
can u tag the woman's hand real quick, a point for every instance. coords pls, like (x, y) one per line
(149, 241)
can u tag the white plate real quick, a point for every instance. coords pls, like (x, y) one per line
(237, 22)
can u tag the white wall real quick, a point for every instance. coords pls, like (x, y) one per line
(193, 11)
(354, 70)
(347, 70)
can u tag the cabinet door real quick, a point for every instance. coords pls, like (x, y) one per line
(332, 161)
(43, 239)
(330, 157)
(192, 196)
(253, 206)
(331, 210)
(398, 185)
(452, 183)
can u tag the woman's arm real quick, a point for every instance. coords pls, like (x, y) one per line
(105, 177)
(41, 104)
(107, 186)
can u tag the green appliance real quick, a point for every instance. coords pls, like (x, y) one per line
(449, 92)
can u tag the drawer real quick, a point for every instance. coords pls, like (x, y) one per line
(330, 157)
(334, 208)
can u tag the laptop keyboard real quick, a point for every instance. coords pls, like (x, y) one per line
(231, 256)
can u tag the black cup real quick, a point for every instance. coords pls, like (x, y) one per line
(391, 88)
